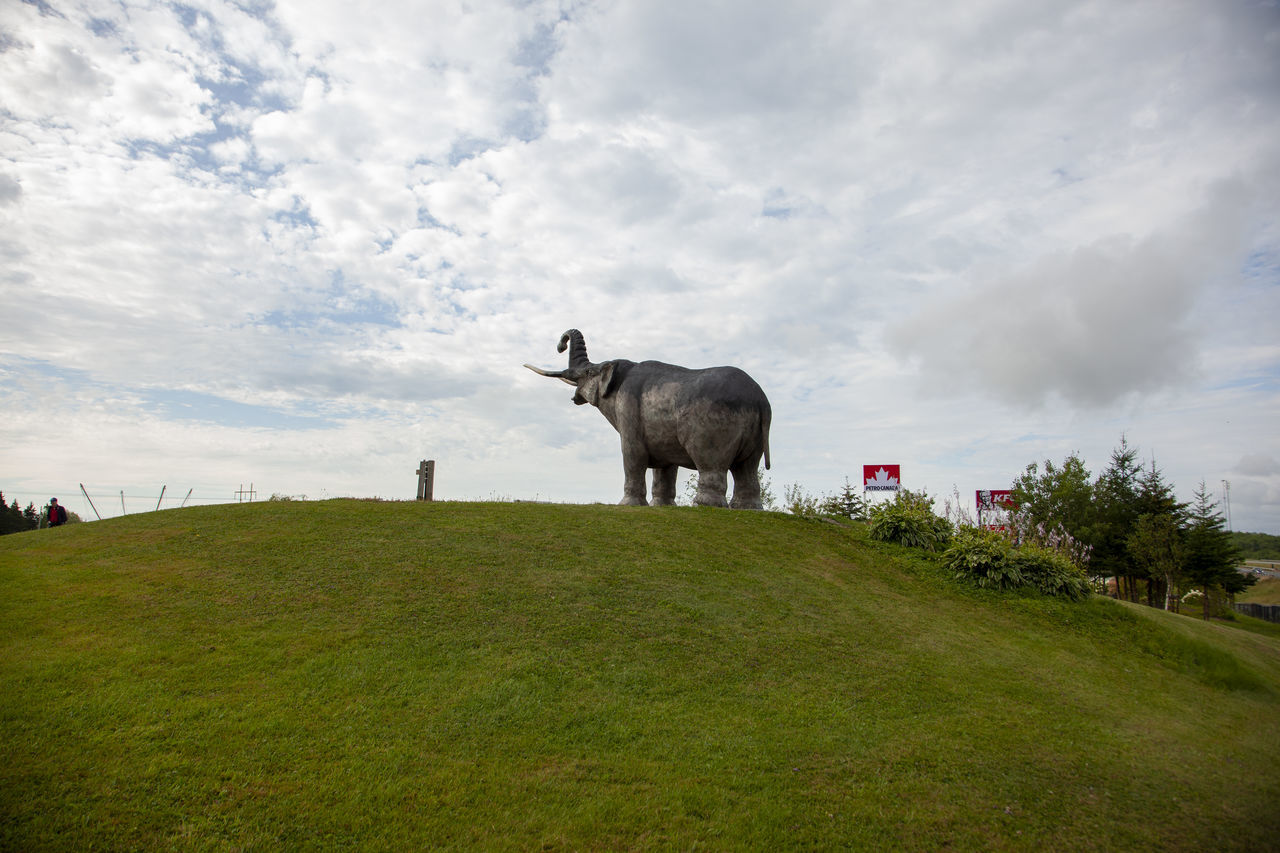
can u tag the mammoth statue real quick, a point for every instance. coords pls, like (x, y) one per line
(714, 420)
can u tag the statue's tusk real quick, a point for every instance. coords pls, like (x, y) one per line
(556, 374)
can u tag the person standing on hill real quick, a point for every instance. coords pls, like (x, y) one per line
(57, 513)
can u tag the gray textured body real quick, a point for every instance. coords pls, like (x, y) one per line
(714, 420)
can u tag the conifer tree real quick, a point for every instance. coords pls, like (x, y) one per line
(6, 523)
(1211, 556)
(1166, 517)
(1116, 496)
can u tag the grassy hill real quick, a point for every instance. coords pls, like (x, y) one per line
(351, 674)
(1266, 590)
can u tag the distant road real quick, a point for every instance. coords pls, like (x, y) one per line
(1262, 568)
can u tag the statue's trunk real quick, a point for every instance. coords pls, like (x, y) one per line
(577, 349)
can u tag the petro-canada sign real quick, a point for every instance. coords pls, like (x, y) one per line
(881, 478)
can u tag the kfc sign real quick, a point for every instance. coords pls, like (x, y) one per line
(881, 478)
(995, 499)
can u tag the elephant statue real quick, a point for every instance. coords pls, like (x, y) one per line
(714, 420)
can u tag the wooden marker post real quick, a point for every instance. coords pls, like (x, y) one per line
(426, 479)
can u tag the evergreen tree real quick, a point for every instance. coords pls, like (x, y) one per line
(1211, 555)
(1156, 497)
(5, 522)
(1116, 497)
(1166, 519)
(15, 519)
(848, 502)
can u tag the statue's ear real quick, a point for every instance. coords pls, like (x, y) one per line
(610, 378)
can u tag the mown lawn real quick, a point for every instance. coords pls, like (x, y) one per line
(366, 675)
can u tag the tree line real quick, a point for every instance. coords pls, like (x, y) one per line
(15, 519)
(1257, 546)
(1141, 541)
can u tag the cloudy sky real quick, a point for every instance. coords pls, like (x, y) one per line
(305, 244)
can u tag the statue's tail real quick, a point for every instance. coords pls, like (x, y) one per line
(764, 429)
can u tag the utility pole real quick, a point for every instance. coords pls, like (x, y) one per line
(1226, 500)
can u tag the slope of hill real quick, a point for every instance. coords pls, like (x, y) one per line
(356, 674)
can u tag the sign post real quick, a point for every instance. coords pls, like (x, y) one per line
(426, 479)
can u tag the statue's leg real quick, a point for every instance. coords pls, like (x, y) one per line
(711, 488)
(633, 487)
(664, 485)
(746, 485)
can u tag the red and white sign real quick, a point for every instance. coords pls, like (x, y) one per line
(881, 478)
(995, 499)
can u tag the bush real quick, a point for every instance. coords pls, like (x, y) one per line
(1050, 571)
(799, 502)
(909, 520)
(990, 560)
(983, 557)
(846, 503)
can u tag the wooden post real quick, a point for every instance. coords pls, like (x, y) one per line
(90, 500)
(426, 479)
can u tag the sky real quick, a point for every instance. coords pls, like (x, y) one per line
(301, 246)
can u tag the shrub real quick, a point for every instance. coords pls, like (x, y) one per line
(1055, 538)
(983, 557)
(799, 502)
(909, 520)
(990, 560)
(846, 503)
(1050, 571)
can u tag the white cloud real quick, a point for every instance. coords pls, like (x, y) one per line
(380, 216)
(1092, 324)
(1257, 465)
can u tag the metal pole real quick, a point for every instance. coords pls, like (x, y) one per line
(162, 488)
(1226, 498)
(90, 500)
(184, 500)
(122, 509)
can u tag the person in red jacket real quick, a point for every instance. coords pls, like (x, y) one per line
(57, 514)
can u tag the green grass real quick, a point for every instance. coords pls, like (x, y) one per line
(351, 674)
(1265, 591)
